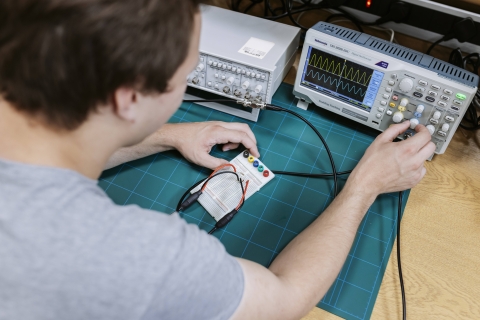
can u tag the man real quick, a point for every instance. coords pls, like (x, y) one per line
(82, 82)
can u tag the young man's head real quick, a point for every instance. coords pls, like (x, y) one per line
(63, 62)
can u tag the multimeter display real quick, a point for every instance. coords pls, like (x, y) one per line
(342, 79)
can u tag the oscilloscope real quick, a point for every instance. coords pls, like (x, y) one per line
(378, 83)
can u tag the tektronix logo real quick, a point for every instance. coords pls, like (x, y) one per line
(324, 43)
(382, 64)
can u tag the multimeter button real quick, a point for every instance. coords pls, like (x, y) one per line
(429, 99)
(386, 96)
(458, 103)
(461, 96)
(441, 103)
(430, 129)
(443, 97)
(418, 94)
(422, 82)
(419, 89)
(397, 117)
(447, 91)
(434, 121)
(413, 123)
(432, 93)
(449, 118)
(383, 103)
(389, 112)
(435, 87)
(406, 84)
(379, 115)
(388, 89)
(392, 104)
(445, 127)
(381, 109)
(393, 76)
(441, 133)
(404, 102)
(391, 82)
(436, 115)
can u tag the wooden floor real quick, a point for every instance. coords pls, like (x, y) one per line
(440, 228)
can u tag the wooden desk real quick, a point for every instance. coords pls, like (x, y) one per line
(440, 228)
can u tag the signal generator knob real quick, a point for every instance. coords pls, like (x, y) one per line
(230, 80)
(245, 85)
(406, 84)
(430, 129)
(397, 117)
(258, 88)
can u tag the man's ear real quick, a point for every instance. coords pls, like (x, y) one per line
(125, 103)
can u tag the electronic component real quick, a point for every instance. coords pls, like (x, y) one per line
(241, 57)
(222, 194)
(377, 83)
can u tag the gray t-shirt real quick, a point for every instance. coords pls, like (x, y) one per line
(68, 252)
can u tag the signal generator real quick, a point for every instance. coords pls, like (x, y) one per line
(378, 83)
(241, 57)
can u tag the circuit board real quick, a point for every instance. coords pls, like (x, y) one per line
(285, 206)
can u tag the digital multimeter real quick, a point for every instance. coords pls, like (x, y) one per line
(378, 83)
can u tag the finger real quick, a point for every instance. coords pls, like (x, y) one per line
(425, 152)
(393, 131)
(208, 161)
(239, 127)
(233, 136)
(420, 139)
(230, 146)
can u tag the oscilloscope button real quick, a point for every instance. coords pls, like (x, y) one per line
(391, 82)
(245, 85)
(395, 97)
(378, 115)
(388, 89)
(258, 88)
(393, 76)
(449, 118)
(413, 123)
(437, 115)
(383, 103)
(248, 73)
(422, 82)
(441, 103)
(393, 105)
(397, 117)
(435, 87)
(420, 108)
(389, 112)
(234, 69)
(257, 76)
(447, 91)
(200, 67)
(253, 74)
(417, 94)
(229, 67)
(210, 62)
(215, 63)
(417, 88)
(429, 99)
(224, 66)
(441, 133)
(381, 109)
(445, 127)
(432, 93)
(386, 96)
(406, 84)
(459, 103)
(443, 97)
(239, 70)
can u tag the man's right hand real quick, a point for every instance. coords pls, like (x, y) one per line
(389, 166)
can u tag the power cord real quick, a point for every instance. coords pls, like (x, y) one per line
(399, 262)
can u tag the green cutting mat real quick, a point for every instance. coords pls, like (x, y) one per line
(285, 206)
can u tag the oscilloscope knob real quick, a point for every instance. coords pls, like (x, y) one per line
(413, 123)
(200, 67)
(406, 84)
(397, 117)
(430, 129)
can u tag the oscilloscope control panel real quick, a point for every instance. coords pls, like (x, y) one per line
(378, 83)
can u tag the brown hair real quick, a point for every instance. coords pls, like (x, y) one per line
(59, 59)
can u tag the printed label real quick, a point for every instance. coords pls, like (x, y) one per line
(257, 48)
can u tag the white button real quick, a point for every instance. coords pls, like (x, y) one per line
(200, 67)
(224, 66)
(447, 91)
(393, 76)
(459, 103)
(435, 87)
(445, 127)
(223, 77)
(201, 59)
(216, 85)
(383, 103)
(263, 77)
(434, 121)
(239, 70)
(245, 85)
(422, 82)
(441, 103)
(209, 83)
(210, 62)
(229, 67)
(391, 82)
(419, 89)
(257, 76)
(258, 88)
(386, 96)
(432, 93)
(420, 108)
(449, 118)
(215, 64)
(379, 115)
(234, 69)
(253, 74)
(437, 115)
(388, 89)
(443, 97)
(230, 80)
(404, 102)
(430, 129)
(216, 75)
(243, 71)
(413, 123)
(389, 112)
(441, 133)
(248, 73)
(397, 117)
(381, 109)
(406, 84)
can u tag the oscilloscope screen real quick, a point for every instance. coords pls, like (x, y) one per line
(342, 79)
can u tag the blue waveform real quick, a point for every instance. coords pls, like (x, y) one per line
(337, 82)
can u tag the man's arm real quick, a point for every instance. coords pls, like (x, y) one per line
(193, 140)
(302, 273)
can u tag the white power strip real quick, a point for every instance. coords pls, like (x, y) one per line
(223, 193)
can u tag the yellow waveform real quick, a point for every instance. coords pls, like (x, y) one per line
(336, 69)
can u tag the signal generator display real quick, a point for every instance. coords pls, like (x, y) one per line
(378, 83)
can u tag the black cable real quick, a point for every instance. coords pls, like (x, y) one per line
(434, 44)
(310, 175)
(399, 262)
(332, 162)
(210, 100)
